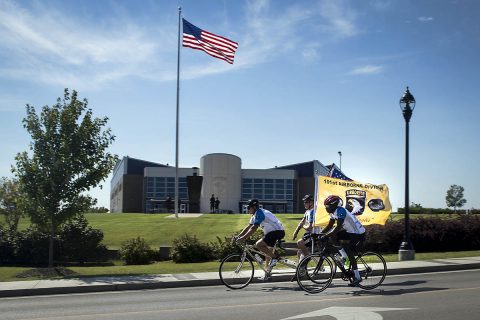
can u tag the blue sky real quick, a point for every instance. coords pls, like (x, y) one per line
(310, 78)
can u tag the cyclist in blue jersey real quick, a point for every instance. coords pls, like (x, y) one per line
(308, 224)
(347, 228)
(272, 229)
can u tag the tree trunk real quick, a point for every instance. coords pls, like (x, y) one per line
(50, 248)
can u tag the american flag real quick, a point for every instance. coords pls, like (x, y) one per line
(216, 46)
(337, 174)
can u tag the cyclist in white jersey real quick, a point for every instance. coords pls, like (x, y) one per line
(347, 228)
(272, 229)
(307, 223)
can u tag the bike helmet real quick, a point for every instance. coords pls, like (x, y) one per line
(332, 200)
(308, 197)
(252, 203)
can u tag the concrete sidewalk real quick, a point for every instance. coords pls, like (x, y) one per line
(99, 284)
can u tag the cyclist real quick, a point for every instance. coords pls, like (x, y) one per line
(272, 229)
(347, 228)
(307, 223)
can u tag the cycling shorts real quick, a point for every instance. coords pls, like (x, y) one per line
(272, 237)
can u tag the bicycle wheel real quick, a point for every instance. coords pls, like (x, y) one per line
(372, 268)
(236, 271)
(314, 273)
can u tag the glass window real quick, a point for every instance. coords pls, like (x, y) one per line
(258, 180)
(279, 197)
(268, 191)
(268, 180)
(247, 180)
(258, 195)
(171, 191)
(269, 185)
(171, 179)
(289, 182)
(247, 196)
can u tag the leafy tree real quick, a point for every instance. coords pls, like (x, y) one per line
(454, 197)
(12, 200)
(68, 157)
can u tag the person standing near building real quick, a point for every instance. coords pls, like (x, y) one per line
(212, 204)
(307, 223)
(217, 205)
(168, 204)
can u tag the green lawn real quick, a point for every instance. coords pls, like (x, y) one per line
(158, 230)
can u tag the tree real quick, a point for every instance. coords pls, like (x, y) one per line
(68, 157)
(454, 197)
(12, 200)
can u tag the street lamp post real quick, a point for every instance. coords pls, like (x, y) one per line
(340, 155)
(407, 105)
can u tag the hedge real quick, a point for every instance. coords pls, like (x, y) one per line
(427, 234)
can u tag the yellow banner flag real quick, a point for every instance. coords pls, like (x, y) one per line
(368, 202)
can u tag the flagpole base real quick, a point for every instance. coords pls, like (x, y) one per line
(406, 255)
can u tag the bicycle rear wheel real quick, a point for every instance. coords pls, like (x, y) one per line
(236, 271)
(372, 268)
(314, 273)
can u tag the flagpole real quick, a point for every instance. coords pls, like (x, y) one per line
(178, 112)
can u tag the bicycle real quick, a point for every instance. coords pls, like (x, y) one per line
(316, 271)
(237, 270)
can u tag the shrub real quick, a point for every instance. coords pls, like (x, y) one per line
(427, 234)
(8, 246)
(189, 249)
(33, 247)
(136, 251)
(81, 243)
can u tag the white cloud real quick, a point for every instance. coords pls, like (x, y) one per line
(340, 17)
(425, 19)
(366, 70)
(45, 46)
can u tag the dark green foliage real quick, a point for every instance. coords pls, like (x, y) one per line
(81, 243)
(427, 235)
(421, 210)
(76, 242)
(33, 247)
(189, 249)
(136, 251)
(8, 246)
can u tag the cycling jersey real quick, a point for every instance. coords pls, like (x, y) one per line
(267, 221)
(350, 222)
(310, 218)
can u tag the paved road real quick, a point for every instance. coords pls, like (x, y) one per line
(442, 295)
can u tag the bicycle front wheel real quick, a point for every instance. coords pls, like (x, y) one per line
(314, 273)
(236, 271)
(372, 268)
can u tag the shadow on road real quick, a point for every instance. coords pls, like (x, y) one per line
(396, 292)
